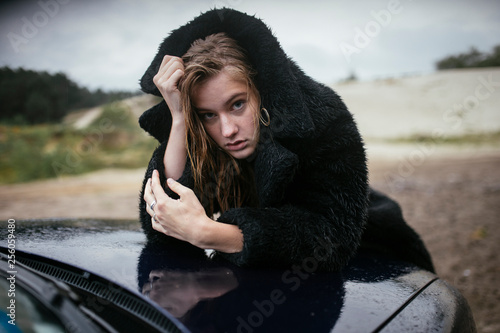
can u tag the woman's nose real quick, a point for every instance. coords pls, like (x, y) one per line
(228, 127)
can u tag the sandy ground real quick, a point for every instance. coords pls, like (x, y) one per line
(453, 203)
(445, 103)
(110, 193)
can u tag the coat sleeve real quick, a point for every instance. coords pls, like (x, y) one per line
(388, 233)
(318, 219)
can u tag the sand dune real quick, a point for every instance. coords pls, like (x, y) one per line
(452, 102)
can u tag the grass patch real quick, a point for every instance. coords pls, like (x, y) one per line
(114, 139)
(491, 138)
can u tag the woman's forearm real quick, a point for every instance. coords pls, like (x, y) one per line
(175, 153)
(166, 80)
(221, 237)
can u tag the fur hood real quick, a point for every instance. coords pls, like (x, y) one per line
(282, 84)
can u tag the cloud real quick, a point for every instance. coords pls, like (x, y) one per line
(109, 44)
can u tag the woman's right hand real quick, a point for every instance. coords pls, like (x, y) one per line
(167, 80)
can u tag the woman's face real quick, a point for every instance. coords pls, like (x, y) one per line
(227, 110)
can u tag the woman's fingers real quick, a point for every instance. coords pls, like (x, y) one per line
(149, 198)
(156, 187)
(158, 191)
(177, 218)
(169, 66)
(160, 220)
(158, 226)
(172, 66)
(167, 80)
(178, 188)
(148, 195)
(153, 191)
(169, 61)
(165, 60)
(177, 74)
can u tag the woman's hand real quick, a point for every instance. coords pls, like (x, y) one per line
(185, 218)
(166, 80)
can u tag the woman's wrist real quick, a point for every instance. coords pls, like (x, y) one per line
(178, 121)
(219, 236)
(174, 158)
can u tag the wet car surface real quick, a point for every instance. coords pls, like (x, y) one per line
(162, 289)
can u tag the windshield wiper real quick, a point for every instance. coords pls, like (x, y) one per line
(112, 306)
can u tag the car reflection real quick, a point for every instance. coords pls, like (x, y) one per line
(208, 294)
(178, 291)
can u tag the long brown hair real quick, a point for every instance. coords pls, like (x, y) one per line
(218, 177)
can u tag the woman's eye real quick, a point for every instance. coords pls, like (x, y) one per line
(238, 105)
(207, 116)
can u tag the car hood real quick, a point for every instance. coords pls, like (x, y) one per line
(373, 293)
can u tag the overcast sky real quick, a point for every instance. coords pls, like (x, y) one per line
(109, 43)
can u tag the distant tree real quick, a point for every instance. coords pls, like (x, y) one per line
(351, 78)
(33, 97)
(493, 59)
(38, 108)
(470, 59)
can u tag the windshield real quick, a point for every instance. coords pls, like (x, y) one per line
(24, 313)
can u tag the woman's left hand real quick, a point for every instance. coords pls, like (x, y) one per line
(184, 218)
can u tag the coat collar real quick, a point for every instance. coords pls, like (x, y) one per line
(279, 80)
(274, 168)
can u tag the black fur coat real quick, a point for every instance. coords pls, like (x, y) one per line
(310, 169)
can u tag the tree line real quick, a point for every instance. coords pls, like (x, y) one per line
(472, 58)
(33, 97)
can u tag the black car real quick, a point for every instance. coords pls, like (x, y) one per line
(102, 276)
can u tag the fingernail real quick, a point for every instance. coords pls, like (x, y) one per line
(170, 181)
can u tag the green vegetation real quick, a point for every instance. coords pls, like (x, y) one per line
(114, 139)
(471, 59)
(36, 144)
(31, 97)
(468, 139)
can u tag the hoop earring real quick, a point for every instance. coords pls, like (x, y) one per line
(267, 120)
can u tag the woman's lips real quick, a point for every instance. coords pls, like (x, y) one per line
(236, 145)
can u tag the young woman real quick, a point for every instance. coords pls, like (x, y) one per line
(246, 135)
